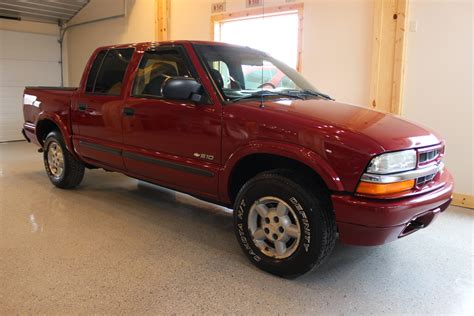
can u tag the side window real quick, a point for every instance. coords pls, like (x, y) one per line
(94, 70)
(155, 68)
(110, 76)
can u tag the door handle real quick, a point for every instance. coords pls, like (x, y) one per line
(82, 107)
(128, 111)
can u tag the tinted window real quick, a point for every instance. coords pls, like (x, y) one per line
(110, 77)
(155, 68)
(94, 70)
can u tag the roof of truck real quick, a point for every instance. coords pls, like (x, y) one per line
(145, 44)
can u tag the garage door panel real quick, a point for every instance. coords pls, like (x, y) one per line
(15, 102)
(8, 92)
(10, 134)
(17, 73)
(26, 59)
(27, 46)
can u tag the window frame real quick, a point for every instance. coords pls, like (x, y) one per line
(127, 70)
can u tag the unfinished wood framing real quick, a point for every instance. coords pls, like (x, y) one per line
(388, 59)
(218, 19)
(463, 200)
(162, 19)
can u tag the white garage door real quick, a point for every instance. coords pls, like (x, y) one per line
(26, 59)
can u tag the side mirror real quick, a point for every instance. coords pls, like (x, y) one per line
(183, 88)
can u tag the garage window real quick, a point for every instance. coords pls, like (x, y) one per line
(277, 31)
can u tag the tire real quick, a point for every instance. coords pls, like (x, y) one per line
(63, 169)
(308, 208)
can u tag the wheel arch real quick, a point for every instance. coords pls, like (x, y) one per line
(47, 123)
(263, 156)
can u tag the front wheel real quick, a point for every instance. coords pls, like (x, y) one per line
(284, 225)
(63, 169)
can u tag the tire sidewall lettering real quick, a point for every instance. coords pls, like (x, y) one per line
(241, 230)
(306, 227)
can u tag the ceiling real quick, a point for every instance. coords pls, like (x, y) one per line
(48, 11)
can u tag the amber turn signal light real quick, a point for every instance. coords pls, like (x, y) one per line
(370, 188)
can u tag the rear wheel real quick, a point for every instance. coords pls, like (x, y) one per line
(63, 169)
(284, 224)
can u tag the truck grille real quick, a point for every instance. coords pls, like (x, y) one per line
(424, 180)
(430, 155)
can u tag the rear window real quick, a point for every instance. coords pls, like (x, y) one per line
(110, 72)
(94, 70)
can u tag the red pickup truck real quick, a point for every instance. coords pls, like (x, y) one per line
(297, 167)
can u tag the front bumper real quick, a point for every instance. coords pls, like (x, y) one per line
(370, 222)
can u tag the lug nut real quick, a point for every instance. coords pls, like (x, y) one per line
(267, 220)
(276, 219)
(266, 230)
(281, 229)
(275, 236)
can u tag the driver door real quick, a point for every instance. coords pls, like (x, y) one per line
(174, 143)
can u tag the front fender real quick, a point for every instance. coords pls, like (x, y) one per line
(287, 150)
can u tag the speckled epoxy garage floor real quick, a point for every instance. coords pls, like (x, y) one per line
(117, 246)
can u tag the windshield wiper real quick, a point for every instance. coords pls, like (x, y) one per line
(311, 92)
(317, 94)
(266, 93)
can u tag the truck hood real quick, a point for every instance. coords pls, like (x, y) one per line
(389, 131)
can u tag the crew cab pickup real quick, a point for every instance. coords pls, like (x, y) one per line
(298, 168)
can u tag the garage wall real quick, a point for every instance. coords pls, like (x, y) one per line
(337, 40)
(438, 84)
(81, 41)
(29, 56)
(336, 43)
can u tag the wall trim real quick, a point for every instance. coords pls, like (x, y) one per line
(162, 20)
(388, 55)
(463, 200)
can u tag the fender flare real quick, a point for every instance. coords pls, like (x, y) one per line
(287, 150)
(63, 128)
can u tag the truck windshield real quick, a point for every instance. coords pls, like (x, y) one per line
(242, 73)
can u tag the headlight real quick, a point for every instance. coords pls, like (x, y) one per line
(393, 162)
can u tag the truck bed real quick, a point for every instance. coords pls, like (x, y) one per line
(40, 101)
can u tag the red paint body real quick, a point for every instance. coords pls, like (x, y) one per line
(336, 140)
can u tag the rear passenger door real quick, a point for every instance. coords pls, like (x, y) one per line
(97, 111)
